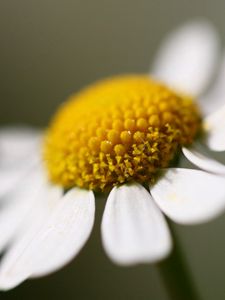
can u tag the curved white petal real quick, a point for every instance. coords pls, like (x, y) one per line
(188, 57)
(190, 196)
(18, 136)
(17, 205)
(214, 126)
(203, 162)
(10, 178)
(215, 98)
(59, 230)
(15, 266)
(133, 228)
(65, 233)
(20, 152)
(18, 145)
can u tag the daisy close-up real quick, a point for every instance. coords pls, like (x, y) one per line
(122, 136)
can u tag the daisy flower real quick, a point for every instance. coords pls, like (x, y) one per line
(120, 136)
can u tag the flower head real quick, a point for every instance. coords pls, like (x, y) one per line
(118, 136)
(117, 131)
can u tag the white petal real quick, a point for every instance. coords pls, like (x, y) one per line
(18, 145)
(190, 196)
(133, 228)
(12, 177)
(17, 204)
(203, 162)
(59, 230)
(215, 98)
(66, 231)
(14, 268)
(19, 153)
(214, 126)
(8, 179)
(187, 58)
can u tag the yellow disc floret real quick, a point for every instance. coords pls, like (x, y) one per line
(118, 130)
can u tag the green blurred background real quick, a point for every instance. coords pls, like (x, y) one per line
(51, 48)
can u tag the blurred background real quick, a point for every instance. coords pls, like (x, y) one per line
(52, 48)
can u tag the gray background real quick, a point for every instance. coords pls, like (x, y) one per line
(51, 48)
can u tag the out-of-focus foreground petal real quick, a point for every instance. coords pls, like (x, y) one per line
(70, 227)
(19, 153)
(18, 145)
(17, 204)
(55, 231)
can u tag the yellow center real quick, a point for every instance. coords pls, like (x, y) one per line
(118, 130)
